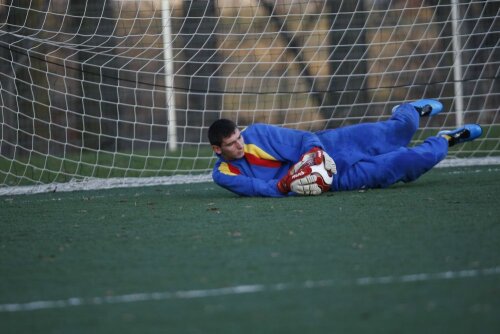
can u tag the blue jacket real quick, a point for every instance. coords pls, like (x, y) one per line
(270, 151)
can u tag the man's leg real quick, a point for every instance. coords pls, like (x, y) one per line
(350, 144)
(404, 164)
(374, 138)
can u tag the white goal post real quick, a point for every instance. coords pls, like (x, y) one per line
(109, 93)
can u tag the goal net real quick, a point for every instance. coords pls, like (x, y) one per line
(121, 92)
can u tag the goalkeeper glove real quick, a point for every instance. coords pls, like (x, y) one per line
(300, 182)
(306, 186)
(316, 156)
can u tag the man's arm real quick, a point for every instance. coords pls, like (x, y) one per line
(283, 144)
(244, 185)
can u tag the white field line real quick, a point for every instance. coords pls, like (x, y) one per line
(245, 289)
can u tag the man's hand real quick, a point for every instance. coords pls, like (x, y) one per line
(306, 186)
(299, 178)
(330, 165)
(300, 182)
(315, 156)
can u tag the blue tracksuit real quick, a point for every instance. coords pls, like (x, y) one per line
(368, 155)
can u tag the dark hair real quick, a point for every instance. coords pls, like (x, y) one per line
(219, 130)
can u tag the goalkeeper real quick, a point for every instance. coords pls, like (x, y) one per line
(267, 160)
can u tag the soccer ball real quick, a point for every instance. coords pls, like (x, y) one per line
(325, 179)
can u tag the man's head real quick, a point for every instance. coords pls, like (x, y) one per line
(226, 139)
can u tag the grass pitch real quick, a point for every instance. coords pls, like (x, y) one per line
(414, 258)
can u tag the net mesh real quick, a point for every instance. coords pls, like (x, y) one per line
(127, 89)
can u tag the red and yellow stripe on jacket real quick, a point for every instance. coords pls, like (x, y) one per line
(228, 169)
(254, 156)
(257, 156)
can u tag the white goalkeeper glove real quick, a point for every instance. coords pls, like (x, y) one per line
(302, 182)
(316, 156)
(306, 186)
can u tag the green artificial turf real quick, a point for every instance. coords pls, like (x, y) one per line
(338, 263)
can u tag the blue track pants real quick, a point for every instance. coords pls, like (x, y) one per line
(375, 155)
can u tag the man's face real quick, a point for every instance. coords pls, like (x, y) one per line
(231, 147)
